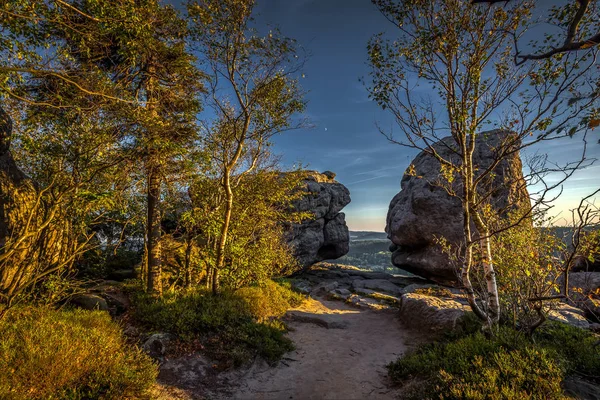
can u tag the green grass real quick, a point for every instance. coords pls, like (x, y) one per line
(509, 365)
(235, 326)
(49, 354)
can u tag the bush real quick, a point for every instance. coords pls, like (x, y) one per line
(76, 354)
(508, 366)
(269, 299)
(576, 347)
(236, 325)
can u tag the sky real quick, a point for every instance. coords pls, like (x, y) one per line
(344, 137)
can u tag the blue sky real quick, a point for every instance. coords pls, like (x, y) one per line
(345, 138)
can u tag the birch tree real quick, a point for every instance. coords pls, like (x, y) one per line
(254, 94)
(465, 55)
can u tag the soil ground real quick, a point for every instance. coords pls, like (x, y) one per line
(341, 353)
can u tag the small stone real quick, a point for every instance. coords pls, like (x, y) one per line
(89, 301)
(157, 344)
(325, 287)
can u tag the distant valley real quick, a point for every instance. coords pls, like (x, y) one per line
(369, 250)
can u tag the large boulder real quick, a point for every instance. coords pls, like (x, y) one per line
(424, 211)
(324, 236)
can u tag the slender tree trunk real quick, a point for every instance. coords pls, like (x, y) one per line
(468, 259)
(188, 267)
(153, 232)
(467, 143)
(224, 231)
(488, 268)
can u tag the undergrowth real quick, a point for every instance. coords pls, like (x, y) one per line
(75, 354)
(235, 326)
(510, 365)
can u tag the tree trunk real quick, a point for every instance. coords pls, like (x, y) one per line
(153, 232)
(224, 231)
(187, 266)
(468, 262)
(467, 143)
(488, 268)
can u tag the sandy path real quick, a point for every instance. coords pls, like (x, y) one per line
(346, 363)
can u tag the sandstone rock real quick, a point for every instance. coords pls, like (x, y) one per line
(367, 302)
(578, 388)
(569, 315)
(364, 291)
(342, 292)
(157, 344)
(89, 301)
(582, 264)
(301, 286)
(325, 236)
(371, 275)
(324, 287)
(583, 291)
(423, 211)
(431, 313)
(377, 285)
(412, 287)
(584, 282)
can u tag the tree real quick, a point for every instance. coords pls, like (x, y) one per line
(465, 54)
(253, 93)
(580, 20)
(256, 249)
(132, 57)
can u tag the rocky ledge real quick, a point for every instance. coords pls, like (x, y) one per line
(421, 304)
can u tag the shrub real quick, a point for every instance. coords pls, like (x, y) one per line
(76, 354)
(269, 299)
(237, 324)
(576, 347)
(508, 366)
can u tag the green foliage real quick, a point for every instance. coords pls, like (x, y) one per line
(578, 348)
(238, 324)
(509, 365)
(256, 249)
(101, 263)
(76, 354)
(269, 299)
(589, 244)
(528, 267)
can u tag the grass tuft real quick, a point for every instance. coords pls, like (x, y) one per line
(509, 365)
(235, 325)
(74, 354)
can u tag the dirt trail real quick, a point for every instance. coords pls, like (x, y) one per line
(346, 361)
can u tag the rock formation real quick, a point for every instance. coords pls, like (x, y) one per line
(325, 235)
(423, 211)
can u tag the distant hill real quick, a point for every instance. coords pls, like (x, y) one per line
(367, 235)
(369, 250)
